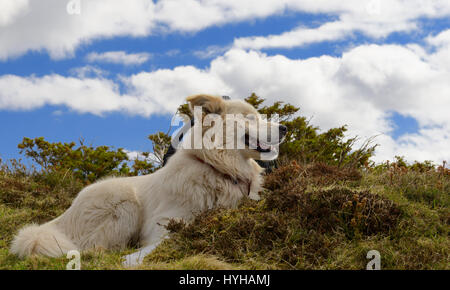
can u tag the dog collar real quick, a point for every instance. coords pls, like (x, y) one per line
(227, 176)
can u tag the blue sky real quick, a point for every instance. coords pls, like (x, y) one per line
(378, 69)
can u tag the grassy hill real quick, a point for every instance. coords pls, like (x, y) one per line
(312, 216)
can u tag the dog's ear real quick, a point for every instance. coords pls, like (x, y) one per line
(209, 104)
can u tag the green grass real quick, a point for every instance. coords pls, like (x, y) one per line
(311, 217)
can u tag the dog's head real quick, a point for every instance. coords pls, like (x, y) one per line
(235, 126)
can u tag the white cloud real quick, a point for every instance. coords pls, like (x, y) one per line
(88, 71)
(10, 9)
(297, 37)
(374, 18)
(83, 95)
(57, 113)
(211, 51)
(49, 27)
(166, 89)
(330, 31)
(45, 25)
(195, 15)
(442, 39)
(133, 155)
(441, 42)
(147, 93)
(172, 52)
(119, 57)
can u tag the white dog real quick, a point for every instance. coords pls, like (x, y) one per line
(116, 212)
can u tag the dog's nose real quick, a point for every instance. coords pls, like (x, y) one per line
(283, 130)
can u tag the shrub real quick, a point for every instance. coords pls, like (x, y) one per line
(298, 223)
(87, 163)
(303, 141)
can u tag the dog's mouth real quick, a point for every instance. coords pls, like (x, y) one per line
(256, 144)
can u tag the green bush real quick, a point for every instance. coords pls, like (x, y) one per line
(87, 163)
(306, 144)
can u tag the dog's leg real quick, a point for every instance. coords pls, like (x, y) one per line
(156, 230)
(254, 196)
(254, 192)
(257, 180)
(137, 258)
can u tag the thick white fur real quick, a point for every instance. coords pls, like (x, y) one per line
(114, 212)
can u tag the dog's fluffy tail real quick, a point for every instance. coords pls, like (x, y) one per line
(44, 240)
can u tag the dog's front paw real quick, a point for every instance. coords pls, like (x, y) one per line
(132, 260)
(254, 196)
